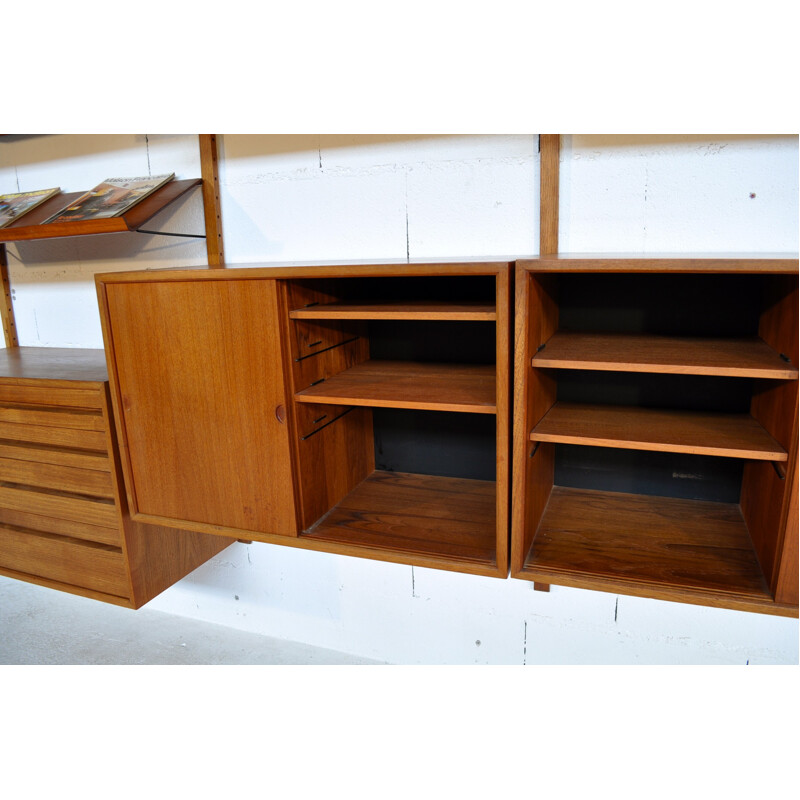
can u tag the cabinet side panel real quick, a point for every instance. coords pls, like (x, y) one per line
(535, 393)
(200, 381)
(765, 495)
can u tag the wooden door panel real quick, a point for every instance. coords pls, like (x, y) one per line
(200, 377)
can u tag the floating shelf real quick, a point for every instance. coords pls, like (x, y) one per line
(400, 384)
(418, 310)
(619, 352)
(421, 514)
(667, 431)
(628, 540)
(30, 227)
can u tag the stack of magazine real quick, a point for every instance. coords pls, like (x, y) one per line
(112, 197)
(13, 206)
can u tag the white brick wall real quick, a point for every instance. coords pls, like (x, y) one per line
(358, 197)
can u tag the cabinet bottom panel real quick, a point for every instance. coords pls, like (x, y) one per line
(670, 548)
(452, 519)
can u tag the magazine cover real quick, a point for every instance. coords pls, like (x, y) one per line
(13, 206)
(110, 198)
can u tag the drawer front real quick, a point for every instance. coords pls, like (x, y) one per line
(83, 398)
(71, 561)
(94, 440)
(62, 505)
(65, 527)
(90, 482)
(52, 417)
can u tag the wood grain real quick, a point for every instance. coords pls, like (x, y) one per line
(741, 263)
(212, 206)
(55, 476)
(666, 431)
(62, 367)
(745, 358)
(64, 505)
(656, 540)
(399, 384)
(72, 561)
(418, 310)
(550, 150)
(422, 514)
(198, 381)
(70, 528)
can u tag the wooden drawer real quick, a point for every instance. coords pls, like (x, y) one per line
(62, 505)
(62, 478)
(65, 527)
(52, 417)
(84, 398)
(94, 440)
(87, 565)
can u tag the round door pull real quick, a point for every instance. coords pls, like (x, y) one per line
(280, 414)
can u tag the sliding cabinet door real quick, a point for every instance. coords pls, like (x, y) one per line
(199, 393)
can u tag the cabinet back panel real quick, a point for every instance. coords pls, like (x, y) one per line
(435, 443)
(649, 390)
(690, 477)
(445, 342)
(681, 305)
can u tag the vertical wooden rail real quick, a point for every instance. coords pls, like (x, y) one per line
(211, 202)
(549, 149)
(7, 307)
(549, 153)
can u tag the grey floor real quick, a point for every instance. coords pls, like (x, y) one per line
(42, 626)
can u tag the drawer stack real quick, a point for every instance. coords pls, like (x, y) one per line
(63, 515)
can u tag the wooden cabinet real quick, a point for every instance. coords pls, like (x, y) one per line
(356, 409)
(63, 516)
(656, 428)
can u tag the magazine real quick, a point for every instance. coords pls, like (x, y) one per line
(13, 206)
(112, 197)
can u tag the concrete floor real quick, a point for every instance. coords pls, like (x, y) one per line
(43, 626)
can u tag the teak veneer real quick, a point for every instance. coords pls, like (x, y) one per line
(292, 405)
(710, 512)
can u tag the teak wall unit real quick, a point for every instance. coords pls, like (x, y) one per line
(656, 428)
(64, 520)
(355, 409)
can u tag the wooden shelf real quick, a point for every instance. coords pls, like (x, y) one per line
(418, 310)
(667, 431)
(30, 227)
(629, 540)
(618, 352)
(400, 384)
(425, 515)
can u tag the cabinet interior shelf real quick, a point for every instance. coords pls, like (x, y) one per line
(668, 431)
(411, 310)
(631, 540)
(400, 384)
(430, 516)
(30, 227)
(619, 352)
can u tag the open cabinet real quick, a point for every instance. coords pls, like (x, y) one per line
(356, 409)
(656, 428)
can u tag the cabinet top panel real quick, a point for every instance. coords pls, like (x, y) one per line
(664, 262)
(52, 364)
(311, 270)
